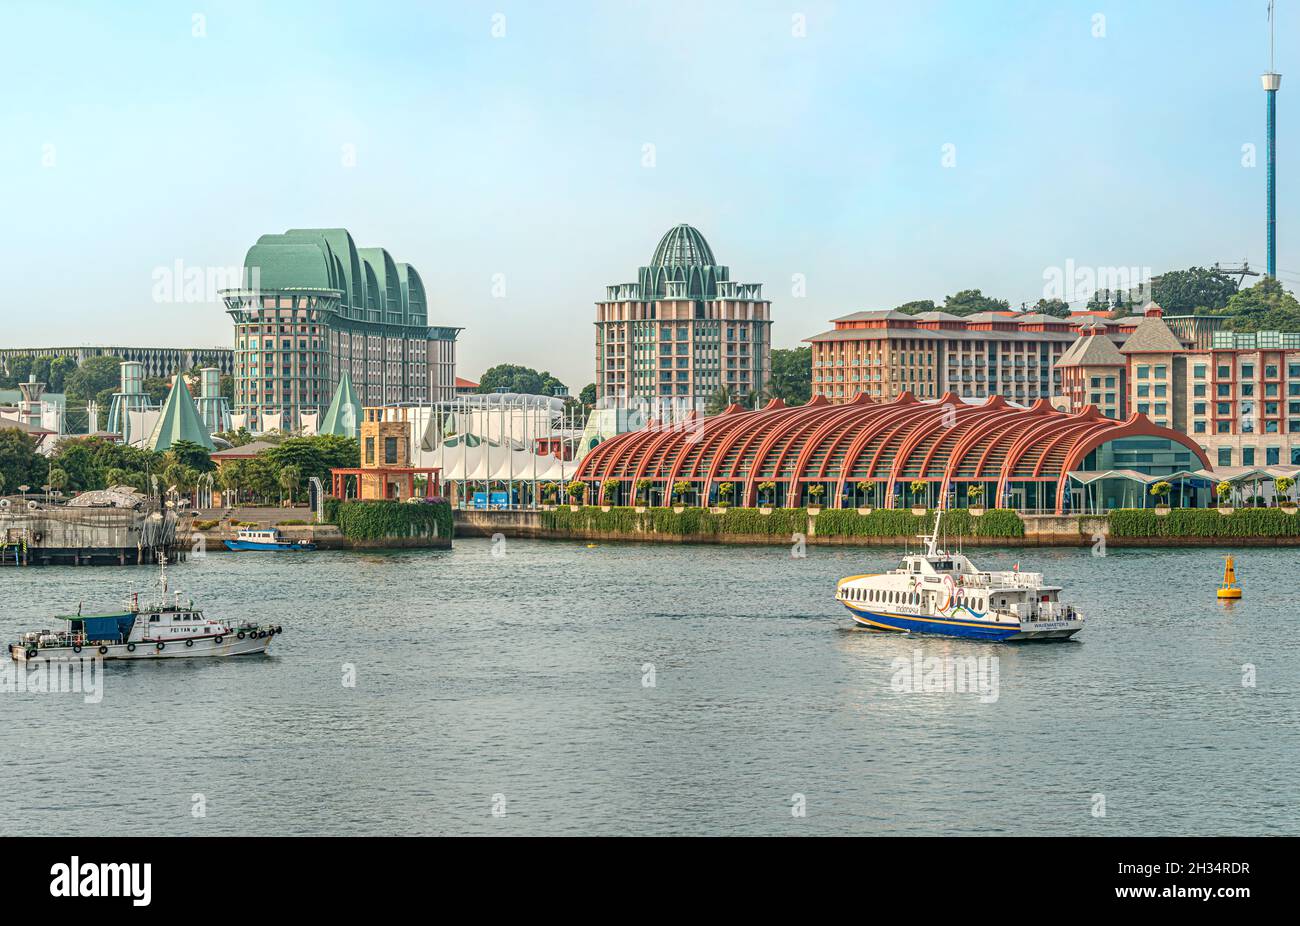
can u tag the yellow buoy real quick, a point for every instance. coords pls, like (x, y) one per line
(1229, 588)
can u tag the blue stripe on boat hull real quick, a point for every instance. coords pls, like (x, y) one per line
(283, 547)
(979, 631)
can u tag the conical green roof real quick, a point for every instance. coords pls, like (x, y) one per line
(344, 414)
(179, 420)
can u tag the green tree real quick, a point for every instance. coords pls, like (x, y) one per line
(231, 477)
(511, 377)
(1185, 291)
(1266, 306)
(972, 301)
(57, 479)
(188, 453)
(717, 403)
(916, 307)
(94, 377)
(289, 478)
(791, 380)
(588, 394)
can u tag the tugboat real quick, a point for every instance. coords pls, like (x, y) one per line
(164, 630)
(943, 593)
(267, 540)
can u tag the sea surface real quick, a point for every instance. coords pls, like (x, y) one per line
(538, 687)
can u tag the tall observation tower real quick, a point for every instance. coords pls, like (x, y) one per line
(1272, 80)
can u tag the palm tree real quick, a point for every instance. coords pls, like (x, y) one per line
(767, 490)
(725, 491)
(643, 489)
(289, 478)
(608, 489)
(815, 492)
(866, 491)
(918, 492)
(680, 491)
(718, 402)
(974, 492)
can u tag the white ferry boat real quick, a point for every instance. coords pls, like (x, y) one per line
(943, 593)
(164, 630)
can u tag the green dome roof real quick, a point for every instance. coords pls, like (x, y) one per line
(683, 246)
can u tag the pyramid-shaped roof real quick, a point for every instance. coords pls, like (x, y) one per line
(179, 420)
(344, 414)
(1152, 335)
(1093, 348)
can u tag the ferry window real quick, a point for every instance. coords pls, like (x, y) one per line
(154, 618)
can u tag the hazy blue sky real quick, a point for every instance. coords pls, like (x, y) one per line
(130, 143)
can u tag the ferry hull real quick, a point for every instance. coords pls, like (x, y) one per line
(230, 645)
(971, 629)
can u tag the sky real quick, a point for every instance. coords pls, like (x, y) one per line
(524, 155)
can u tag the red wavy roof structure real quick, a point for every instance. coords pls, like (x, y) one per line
(942, 442)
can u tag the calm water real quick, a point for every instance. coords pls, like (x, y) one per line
(521, 676)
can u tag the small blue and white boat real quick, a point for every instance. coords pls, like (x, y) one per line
(943, 593)
(271, 540)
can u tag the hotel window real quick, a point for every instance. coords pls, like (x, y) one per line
(1272, 456)
(1199, 390)
(1248, 371)
(1247, 456)
(1293, 370)
(1144, 391)
(1144, 372)
(1198, 427)
(1224, 390)
(1225, 456)
(1270, 371)
(1198, 371)
(1225, 372)
(1222, 427)
(1160, 372)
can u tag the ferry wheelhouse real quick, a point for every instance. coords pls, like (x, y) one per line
(944, 593)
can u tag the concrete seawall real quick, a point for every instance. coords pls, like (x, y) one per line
(1040, 530)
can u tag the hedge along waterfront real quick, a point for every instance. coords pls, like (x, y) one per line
(782, 522)
(900, 522)
(689, 522)
(381, 520)
(1203, 522)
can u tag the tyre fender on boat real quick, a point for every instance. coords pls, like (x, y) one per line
(130, 647)
(217, 641)
(31, 653)
(160, 646)
(76, 647)
(189, 642)
(103, 650)
(240, 635)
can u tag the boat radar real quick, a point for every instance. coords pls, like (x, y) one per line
(1229, 588)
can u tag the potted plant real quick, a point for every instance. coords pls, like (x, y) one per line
(1161, 492)
(608, 490)
(815, 493)
(766, 493)
(1282, 485)
(725, 491)
(680, 491)
(1224, 491)
(576, 490)
(974, 494)
(866, 494)
(643, 494)
(918, 496)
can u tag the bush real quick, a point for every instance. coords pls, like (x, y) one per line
(1203, 522)
(782, 522)
(380, 520)
(900, 522)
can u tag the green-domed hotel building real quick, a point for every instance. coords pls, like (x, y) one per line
(683, 331)
(313, 306)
